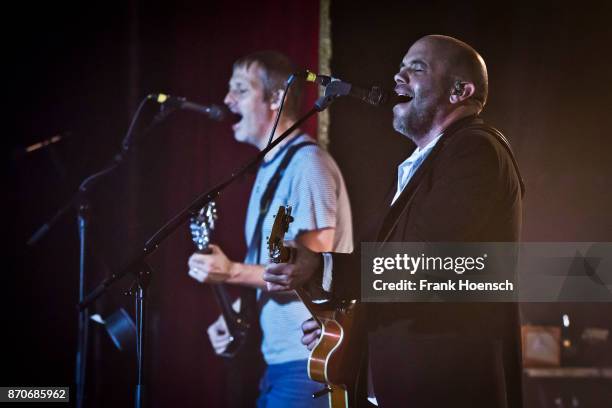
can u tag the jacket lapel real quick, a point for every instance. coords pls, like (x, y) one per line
(404, 201)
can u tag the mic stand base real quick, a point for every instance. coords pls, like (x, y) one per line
(142, 279)
(83, 322)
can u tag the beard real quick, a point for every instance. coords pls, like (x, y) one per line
(417, 122)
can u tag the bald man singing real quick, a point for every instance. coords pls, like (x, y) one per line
(460, 184)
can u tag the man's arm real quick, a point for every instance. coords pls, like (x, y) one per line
(321, 240)
(216, 267)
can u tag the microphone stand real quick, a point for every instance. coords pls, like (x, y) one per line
(81, 202)
(83, 206)
(143, 272)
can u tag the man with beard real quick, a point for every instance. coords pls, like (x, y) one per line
(310, 182)
(461, 184)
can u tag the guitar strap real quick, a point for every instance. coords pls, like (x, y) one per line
(248, 305)
(504, 142)
(268, 195)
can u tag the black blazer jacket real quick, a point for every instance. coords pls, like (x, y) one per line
(431, 354)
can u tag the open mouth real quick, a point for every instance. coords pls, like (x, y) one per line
(402, 95)
(403, 98)
(234, 118)
(397, 99)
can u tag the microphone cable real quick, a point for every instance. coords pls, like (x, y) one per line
(288, 84)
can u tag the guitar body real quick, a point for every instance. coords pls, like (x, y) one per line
(333, 360)
(336, 358)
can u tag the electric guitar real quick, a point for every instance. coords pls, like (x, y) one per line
(335, 360)
(237, 325)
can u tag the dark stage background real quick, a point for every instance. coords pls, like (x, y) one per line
(83, 68)
(549, 92)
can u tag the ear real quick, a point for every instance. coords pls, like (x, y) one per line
(275, 99)
(461, 91)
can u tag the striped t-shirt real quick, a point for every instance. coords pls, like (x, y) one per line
(313, 186)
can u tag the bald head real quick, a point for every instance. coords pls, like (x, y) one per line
(445, 80)
(461, 62)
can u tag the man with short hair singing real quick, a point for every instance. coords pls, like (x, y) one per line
(312, 185)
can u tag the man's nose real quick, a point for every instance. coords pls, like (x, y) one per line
(400, 79)
(228, 100)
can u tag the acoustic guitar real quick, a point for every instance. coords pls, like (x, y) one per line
(336, 359)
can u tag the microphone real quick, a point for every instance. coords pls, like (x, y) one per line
(214, 112)
(375, 95)
(310, 76)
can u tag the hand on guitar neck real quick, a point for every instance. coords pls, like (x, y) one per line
(212, 266)
(294, 272)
